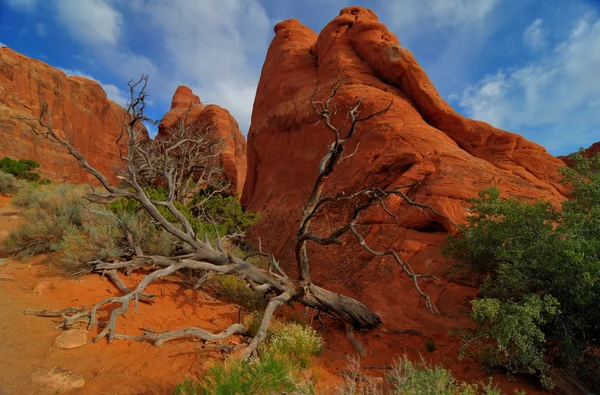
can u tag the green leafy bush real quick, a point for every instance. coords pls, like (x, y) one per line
(22, 168)
(226, 212)
(541, 271)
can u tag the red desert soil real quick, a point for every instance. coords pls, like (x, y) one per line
(124, 367)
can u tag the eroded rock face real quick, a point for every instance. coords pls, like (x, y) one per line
(80, 110)
(421, 139)
(222, 124)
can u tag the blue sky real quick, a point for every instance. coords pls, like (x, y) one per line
(527, 66)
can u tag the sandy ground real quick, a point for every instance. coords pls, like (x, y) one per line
(126, 367)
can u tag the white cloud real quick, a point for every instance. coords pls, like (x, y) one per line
(41, 30)
(440, 13)
(22, 5)
(210, 46)
(3, 45)
(112, 91)
(90, 21)
(555, 93)
(535, 36)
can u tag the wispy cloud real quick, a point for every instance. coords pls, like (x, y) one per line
(534, 36)
(551, 97)
(41, 30)
(90, 21)
(23, 5)
(439, 13)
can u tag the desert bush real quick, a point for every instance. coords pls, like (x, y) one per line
(49, 212)
(22, 168)
(8, 183)
(541, 270)
(225, 212)
(294, 342)
(418, 378)
(264, 376)
(232, 289)
(228, 213)
(55, 220)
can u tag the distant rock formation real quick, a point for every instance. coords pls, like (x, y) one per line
(223, 125)
(592, 150)
(80, 111)
(421, 139)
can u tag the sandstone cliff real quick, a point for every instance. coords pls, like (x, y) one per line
(221, 123)
(80, 110)
(421, 139)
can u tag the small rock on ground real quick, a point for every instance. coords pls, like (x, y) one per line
(58, 380)
(2, 261)
(7, 276)
(72, 338)
(43, 288)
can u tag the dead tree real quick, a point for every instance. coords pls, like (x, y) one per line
(193, 151)
(213, 260)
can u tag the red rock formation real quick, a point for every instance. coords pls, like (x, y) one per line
(80, 109)
(592, 150)
(421, 139)
(233, 157)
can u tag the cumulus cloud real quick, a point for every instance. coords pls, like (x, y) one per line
(112, 91)
(552, 98)
(535, 36)
(3, 45)
(90, 21)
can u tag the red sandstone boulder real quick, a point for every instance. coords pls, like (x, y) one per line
(421, 139)
(222, 124)
(80, 110)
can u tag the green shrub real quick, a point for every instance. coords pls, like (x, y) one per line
(49, 212)
(294, 342)
(226, 212)
(233, 289)
(55, 220)
(510, 334)
(8, 183)
(265, 376)
(419, 379)
(407, 377)
(22, 168)
(541, 269)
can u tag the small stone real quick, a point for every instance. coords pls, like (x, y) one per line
(72, 338)
(58, 380)
(43, 288)
(2, 261)
(7, 276)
